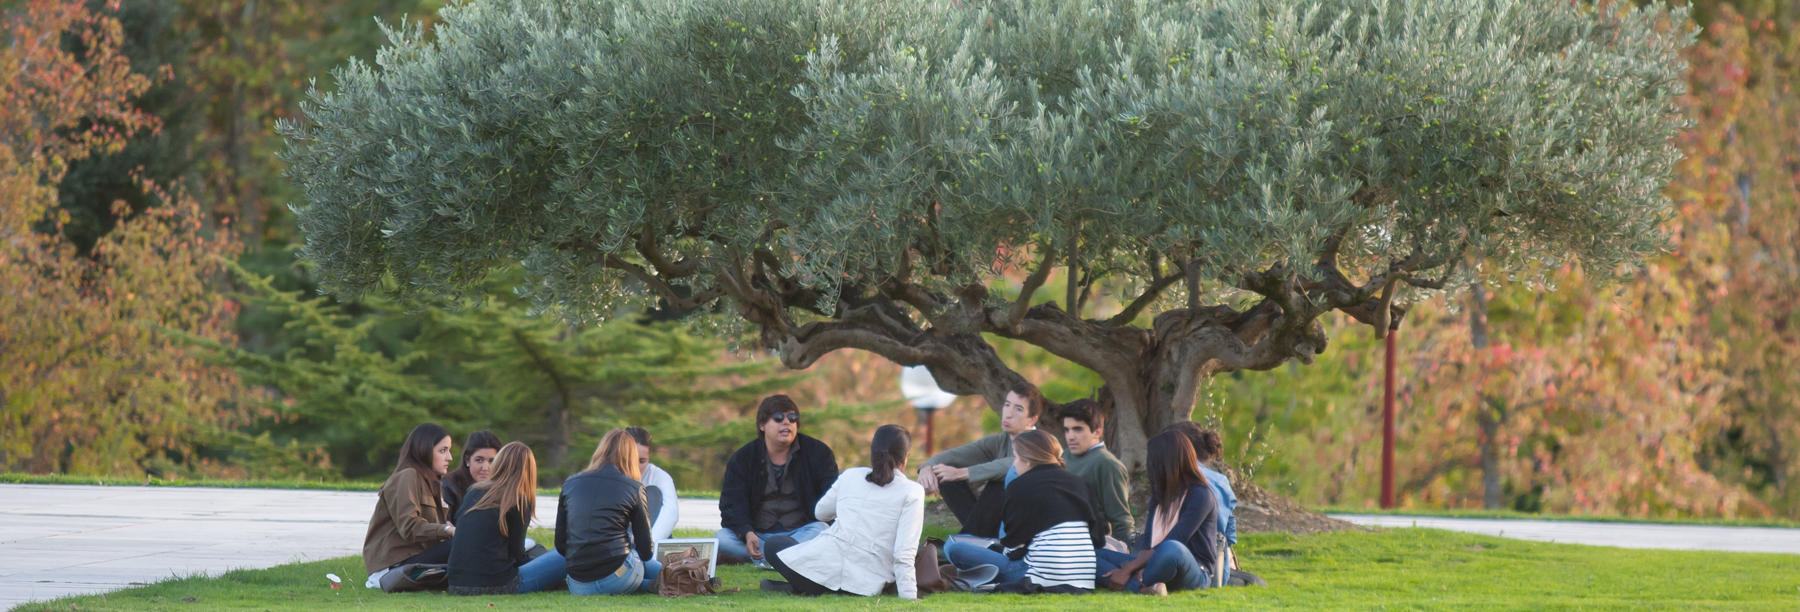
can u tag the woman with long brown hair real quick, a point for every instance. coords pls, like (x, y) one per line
(602, 517)
(477, 466)
(410, 523)
(1179, 545)
(489, 557)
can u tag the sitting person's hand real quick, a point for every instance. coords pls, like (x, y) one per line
(753, 544)
(928, 479)
(1117, 578)
(950, 474)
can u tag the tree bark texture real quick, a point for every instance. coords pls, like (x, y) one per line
(1489, 413)
(556, 426)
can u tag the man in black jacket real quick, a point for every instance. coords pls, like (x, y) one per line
(772, 484)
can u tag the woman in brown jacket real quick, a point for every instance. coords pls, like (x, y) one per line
(411, 522)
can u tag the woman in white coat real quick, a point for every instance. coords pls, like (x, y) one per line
(880, 516)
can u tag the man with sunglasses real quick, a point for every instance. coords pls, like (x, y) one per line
(772, 484)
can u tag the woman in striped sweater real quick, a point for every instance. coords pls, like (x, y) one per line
(1051, 527)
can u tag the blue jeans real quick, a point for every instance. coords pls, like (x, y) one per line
(1171, 563)
(634, 576)
(965, 555)
(731, 544)
(543, 572)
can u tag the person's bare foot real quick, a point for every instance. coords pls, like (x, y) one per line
(1157, 589)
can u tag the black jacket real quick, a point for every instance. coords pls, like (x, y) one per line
(593, 516)
(479, 556)
(1196, 526)
(1045, 497)
(747, 472)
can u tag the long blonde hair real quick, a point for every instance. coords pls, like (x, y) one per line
(513, 484)
(621, 450)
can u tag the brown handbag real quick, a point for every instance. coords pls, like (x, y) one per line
(932, 577)
(684, 574)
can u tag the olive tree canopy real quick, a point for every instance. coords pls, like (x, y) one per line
(859, 173)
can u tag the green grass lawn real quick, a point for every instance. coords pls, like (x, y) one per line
(1401, 569)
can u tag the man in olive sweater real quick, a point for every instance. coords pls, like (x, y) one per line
(953, 472)
(1084, 425)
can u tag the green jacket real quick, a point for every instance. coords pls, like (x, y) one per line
(1107, 478)
(987, 459)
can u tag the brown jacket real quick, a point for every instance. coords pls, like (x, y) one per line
(407, 521)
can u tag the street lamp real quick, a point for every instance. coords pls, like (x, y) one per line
(917, 385)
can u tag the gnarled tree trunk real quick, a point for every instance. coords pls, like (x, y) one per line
(1153, 376)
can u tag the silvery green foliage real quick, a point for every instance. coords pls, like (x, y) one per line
(1234, 132)
(825, 156)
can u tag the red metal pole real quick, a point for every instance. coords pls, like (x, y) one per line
(1387, 428)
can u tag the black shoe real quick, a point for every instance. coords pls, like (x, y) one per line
(777, 586)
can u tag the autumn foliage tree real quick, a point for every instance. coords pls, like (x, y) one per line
(1739, 199)
(1670, 394)
(1666, 398)
(88, 383)
(855, 174)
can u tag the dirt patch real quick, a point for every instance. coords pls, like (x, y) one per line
(1259, 511)
(936, 513)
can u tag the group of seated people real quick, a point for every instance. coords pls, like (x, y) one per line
(473, 520)
(1037, 498)
(1045, 519)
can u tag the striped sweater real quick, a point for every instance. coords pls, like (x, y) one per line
(1051, 524)
(1062, 556)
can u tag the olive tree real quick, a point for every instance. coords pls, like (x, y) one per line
(865, 174)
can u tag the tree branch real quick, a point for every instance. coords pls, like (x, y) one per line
(559, 436)
(1016, 313)
(1072, 304)
(1144, 300)
(646, 246)
(1191, 270)
(900, 287)
(662, 288)
(1426, 283)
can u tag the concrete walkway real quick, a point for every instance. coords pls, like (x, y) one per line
(1622, 535)
(69, 539)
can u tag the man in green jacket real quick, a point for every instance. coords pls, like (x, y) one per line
(1084, 426)
(954, 472)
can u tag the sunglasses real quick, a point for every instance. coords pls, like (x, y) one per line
(789, 417)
